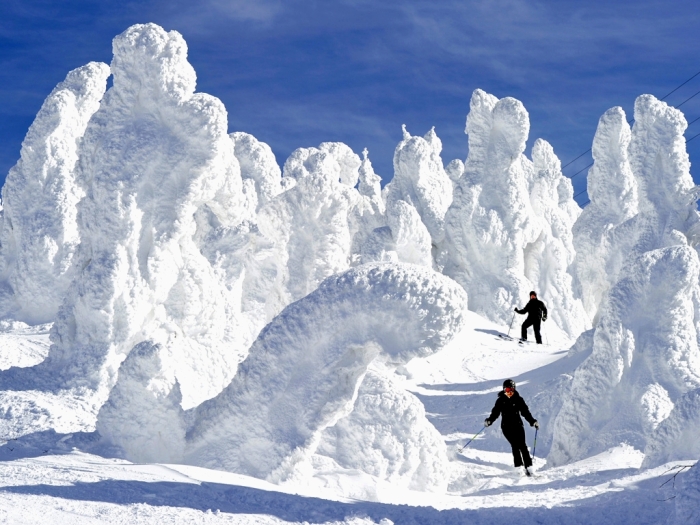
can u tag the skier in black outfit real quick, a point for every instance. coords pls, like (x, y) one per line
(510, 406)
(536, 311)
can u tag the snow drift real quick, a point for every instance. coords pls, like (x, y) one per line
(303, 372)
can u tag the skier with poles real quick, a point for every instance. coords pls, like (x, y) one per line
(536, 311)
(511, 406)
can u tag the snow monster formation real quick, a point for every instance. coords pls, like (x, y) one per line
(420, 182)
(168, 250)
(153, 155)
(301, 378)
(39, 234)
(297, 388)
(604, 232)
(645, 353)
(508, 228)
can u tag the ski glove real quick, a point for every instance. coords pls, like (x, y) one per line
(487, 423)
(544, 317)
(515, 309)
(536, 424)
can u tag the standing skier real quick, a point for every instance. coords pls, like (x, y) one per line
(536, 311)
(510, 406)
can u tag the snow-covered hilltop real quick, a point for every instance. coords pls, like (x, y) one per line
(214, 308)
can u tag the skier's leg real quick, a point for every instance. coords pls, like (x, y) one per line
(523, 332)
(527, 460)
(538, 337)
(515, 447)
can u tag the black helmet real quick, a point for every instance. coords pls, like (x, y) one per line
(533, 293)
(509, 383)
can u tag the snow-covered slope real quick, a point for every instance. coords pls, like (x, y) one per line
(57, 478)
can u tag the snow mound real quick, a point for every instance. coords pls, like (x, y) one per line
(143, 414)
(508, 228)
(687, 502)
(676, 437)
(303, 372)
(39, 234)
(388, 436)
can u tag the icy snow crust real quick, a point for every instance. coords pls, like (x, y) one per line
(304, 326)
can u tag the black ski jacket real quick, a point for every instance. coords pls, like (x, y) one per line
(535, 310)
(510, 411)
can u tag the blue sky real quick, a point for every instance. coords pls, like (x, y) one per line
(295, 73)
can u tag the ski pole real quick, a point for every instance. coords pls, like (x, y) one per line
(534, 445)
(472, 439)
(511, 324)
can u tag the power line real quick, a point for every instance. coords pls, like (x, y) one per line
(663, 98)
(581, 170)
(693, 137)
(683, 84)
(689, 123)
(580, 193)
(687, 99)
(581, 155)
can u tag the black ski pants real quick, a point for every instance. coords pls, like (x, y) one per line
(516, 437)
(535, 323)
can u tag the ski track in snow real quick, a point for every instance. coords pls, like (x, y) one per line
(52, 478)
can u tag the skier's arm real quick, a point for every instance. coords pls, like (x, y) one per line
(525, 412)
(527, 308)
(495, 412)
(544, 310)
